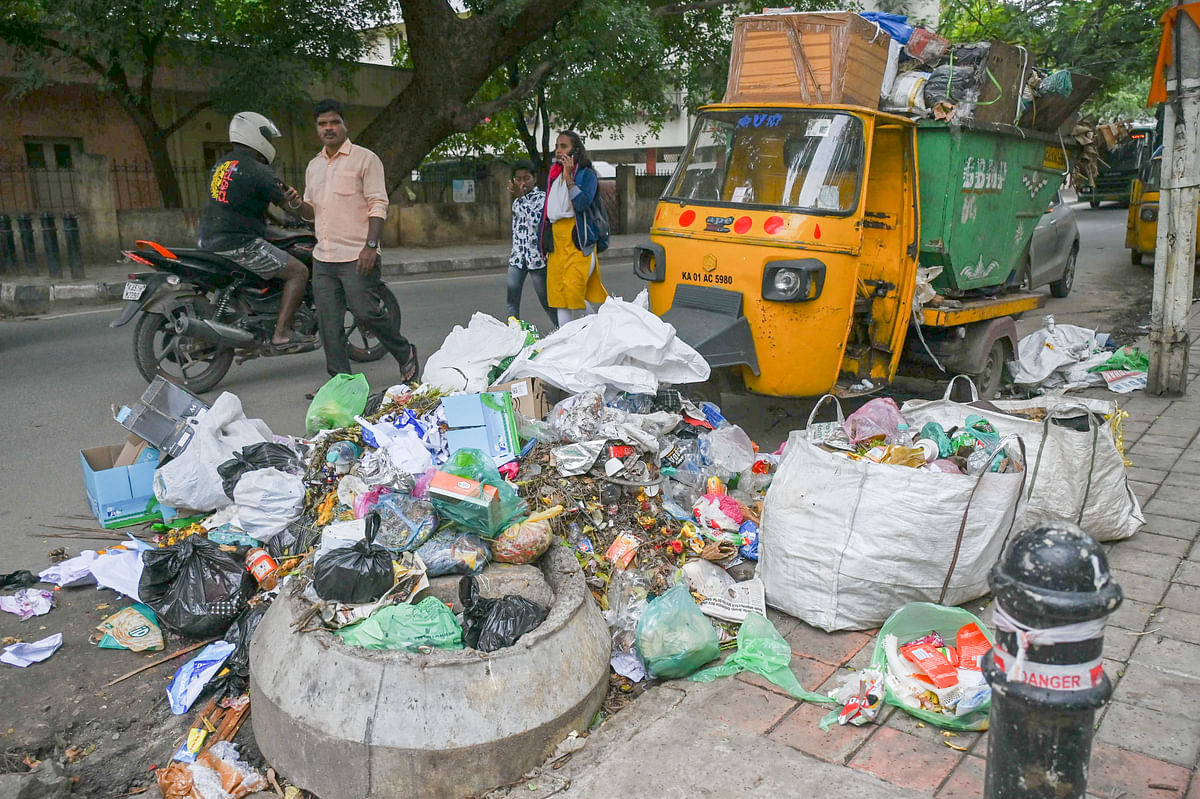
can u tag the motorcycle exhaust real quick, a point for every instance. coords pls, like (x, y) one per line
(215, 332)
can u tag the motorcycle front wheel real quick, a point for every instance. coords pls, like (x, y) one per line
(192, 363)
(361, 344)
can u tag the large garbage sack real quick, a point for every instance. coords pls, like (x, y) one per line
(234, 680)
(468, 354)
(674, 638)
(359, 573)
(491, 624)
(843, 543)
(337, 403)
(191, 480)
(1076, 472)
(195, 587)
(623, 345)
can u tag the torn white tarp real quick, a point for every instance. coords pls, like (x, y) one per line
(623, 345)
(469, 353)
(1058, 355)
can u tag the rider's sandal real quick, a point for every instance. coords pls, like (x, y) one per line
(294, 342)
(409, 371)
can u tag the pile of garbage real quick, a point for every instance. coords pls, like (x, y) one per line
(1064, 358)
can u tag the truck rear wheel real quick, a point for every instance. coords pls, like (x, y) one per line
(991, 374)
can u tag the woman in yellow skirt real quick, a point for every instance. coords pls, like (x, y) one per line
(573, 231)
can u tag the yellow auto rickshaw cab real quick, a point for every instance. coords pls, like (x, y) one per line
(785, 225)
(1141, 226)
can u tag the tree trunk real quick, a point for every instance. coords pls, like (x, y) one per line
(155, 139)
(452, 57)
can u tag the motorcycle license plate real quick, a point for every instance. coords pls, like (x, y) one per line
(133, 291)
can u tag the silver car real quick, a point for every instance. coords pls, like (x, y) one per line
(1053, 251)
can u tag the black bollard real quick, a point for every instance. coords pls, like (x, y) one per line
(28, 253)
(8, 246)
(50, 244)
(74, 251)
(1053, 591)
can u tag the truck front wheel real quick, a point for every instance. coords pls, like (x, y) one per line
(991, 374)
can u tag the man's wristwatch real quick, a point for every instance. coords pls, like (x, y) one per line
(372, 245)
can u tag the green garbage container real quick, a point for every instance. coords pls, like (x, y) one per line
(983, 189)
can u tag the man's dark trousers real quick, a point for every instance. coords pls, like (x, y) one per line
(337, 286)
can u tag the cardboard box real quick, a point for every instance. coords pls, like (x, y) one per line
(484, 422)
(120, 482)
(818, 57)
(479, 498)
(164, 416)
(529, 397)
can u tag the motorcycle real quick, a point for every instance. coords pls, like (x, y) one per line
(201, 313)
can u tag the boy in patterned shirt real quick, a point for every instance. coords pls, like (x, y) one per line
(526, 258)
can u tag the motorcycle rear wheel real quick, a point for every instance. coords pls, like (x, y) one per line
(361, 344)
(196, 365)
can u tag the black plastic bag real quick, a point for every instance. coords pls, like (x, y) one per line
(949, 83)
(491, 624)
(295, 539)
(355, 574)
(234, 679)
(195, 587)
(18, 579)
(263, 455)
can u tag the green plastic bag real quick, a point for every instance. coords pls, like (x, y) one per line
(487, 519)
(1125, 359)
(410, 627)
(673, 637)
(762, 650)
(337, 403)
(910, 623)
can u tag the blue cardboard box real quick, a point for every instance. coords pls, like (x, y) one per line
(120, 482)
(483, 421)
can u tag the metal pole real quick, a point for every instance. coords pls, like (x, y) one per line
(74, 251)
(28, 253)
(50, 244)
(1053, 591)
(8, 246)
(1175, 247)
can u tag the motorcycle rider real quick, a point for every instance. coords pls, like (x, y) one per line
(234, 221)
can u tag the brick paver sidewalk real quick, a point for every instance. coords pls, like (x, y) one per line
(744, 736)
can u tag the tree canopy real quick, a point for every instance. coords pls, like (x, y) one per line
(259, 54)
(1113, 40)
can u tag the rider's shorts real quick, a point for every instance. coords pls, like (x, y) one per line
(259, 256)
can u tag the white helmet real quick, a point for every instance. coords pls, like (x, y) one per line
(255, 131)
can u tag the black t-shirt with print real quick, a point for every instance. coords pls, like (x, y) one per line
(239, 191)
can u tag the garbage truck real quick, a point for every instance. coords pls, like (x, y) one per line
(797, 244)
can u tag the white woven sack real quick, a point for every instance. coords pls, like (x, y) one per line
(1074, 475)
(844, 543)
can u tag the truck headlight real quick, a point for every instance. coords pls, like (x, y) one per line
(1149, 213)
(793, 281)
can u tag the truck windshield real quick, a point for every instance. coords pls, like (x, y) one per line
(793, 160)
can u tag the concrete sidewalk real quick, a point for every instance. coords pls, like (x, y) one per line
(30, 295)
(743, 736)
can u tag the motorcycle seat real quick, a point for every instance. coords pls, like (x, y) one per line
(283, 238)
(210, 258)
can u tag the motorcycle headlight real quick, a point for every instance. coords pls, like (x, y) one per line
(1149, 213)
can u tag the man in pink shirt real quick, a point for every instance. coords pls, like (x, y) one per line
(345, 194)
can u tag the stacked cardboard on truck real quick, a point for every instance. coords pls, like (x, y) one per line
(827, 57)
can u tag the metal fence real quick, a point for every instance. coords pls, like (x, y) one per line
(136, 184)
(25, 190)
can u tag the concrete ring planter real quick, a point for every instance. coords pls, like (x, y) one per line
(350, 723)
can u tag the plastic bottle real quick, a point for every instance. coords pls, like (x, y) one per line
(263, 567)
(342, 455)
(903, 437)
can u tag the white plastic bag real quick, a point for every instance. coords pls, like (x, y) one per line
(623, 345)
(469, 353)
(1076, 475)
(268, 500)
(191, 480)
(843, 543)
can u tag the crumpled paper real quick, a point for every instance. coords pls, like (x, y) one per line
(22, 655)
(27, 603)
